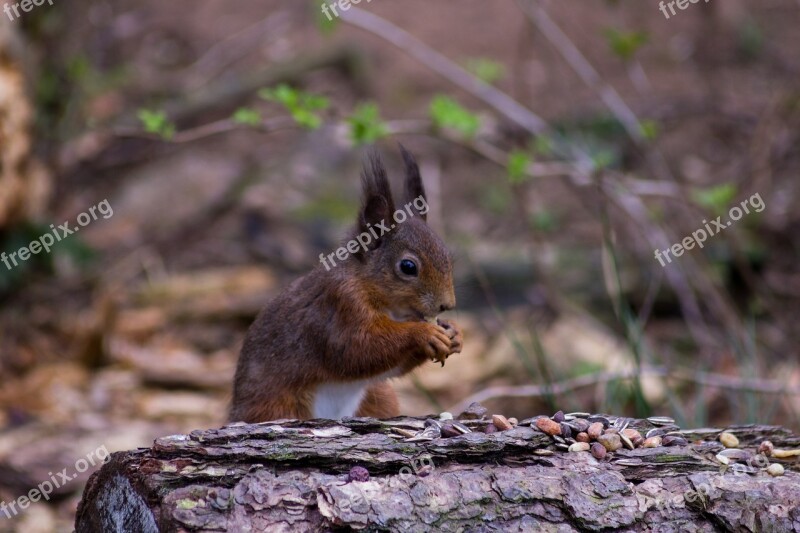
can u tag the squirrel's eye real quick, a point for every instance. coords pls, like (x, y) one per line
(408, 267)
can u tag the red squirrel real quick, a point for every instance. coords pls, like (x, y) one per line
(327, 344)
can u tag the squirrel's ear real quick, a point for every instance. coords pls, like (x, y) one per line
(415, 190)
(377, 205)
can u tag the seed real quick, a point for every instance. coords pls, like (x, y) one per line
(543, 452)
(652, 442)
(475, 411)
(671, 440)
(598, 451)
(775, 470)
(558, 417)
(627, 442)
(461, 428)
(661, 420)
(600, 419)
(566, 432)
(631, 433)
(579, 414)
(611, 442)
(358, 473)
(766, 448)
(513, 421)
(559, 439)
(628, 462)
(656, 432)
(501, 422)
(580, 425)
(611, 431)
(448, 430)
(582, 437)
(445, 416)
(736, 454)
(432, 423)
(490, 428)
(634, 436)
(562, 446)
(580, 447)
(548, 426)
(728, 440)
(722, 459)
(595, 430)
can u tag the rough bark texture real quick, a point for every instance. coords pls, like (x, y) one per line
(293, 476)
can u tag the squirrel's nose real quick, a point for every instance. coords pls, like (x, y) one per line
(445, 307)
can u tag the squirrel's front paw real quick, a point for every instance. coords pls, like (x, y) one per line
(437, 345)
(454, 332)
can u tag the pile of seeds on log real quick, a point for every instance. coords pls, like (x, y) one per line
(600, 435)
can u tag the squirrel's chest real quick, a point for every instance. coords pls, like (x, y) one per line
(337, 400)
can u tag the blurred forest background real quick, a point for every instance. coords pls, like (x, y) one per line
(561, 143)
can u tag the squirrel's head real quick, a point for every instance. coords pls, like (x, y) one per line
(407, 266)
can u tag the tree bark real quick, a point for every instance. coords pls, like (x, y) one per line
(294, 476)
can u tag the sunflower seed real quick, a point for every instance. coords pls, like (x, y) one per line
(661, 420)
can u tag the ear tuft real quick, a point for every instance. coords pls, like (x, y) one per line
(414, 188)
(377, 204)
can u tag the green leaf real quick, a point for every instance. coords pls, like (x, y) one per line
(366, 125)
(301, 105)
(485, 69)
(518, 163)
(650, 129)
(247, 116)
(716, 198)
(157, 123)
(446, 113)
(625, 44)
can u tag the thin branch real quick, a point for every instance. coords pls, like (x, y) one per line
(720, 381)
(504, 104)
(209, 130)
(539, 17)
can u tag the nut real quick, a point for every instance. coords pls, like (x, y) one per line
(598, 451)
(610, 441)
(728, 440)
(652, 442)
(775, 470)
(580, 447)
(582, 437)
(550, 427)
(501, 422)
(766, 448)
(490, 428)
(558, 417)
(595, 430)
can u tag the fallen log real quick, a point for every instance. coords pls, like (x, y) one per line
(304, 476)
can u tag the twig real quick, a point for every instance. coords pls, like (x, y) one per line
(720, 381)
(583, 68)
(504, 104)
(209, 130)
